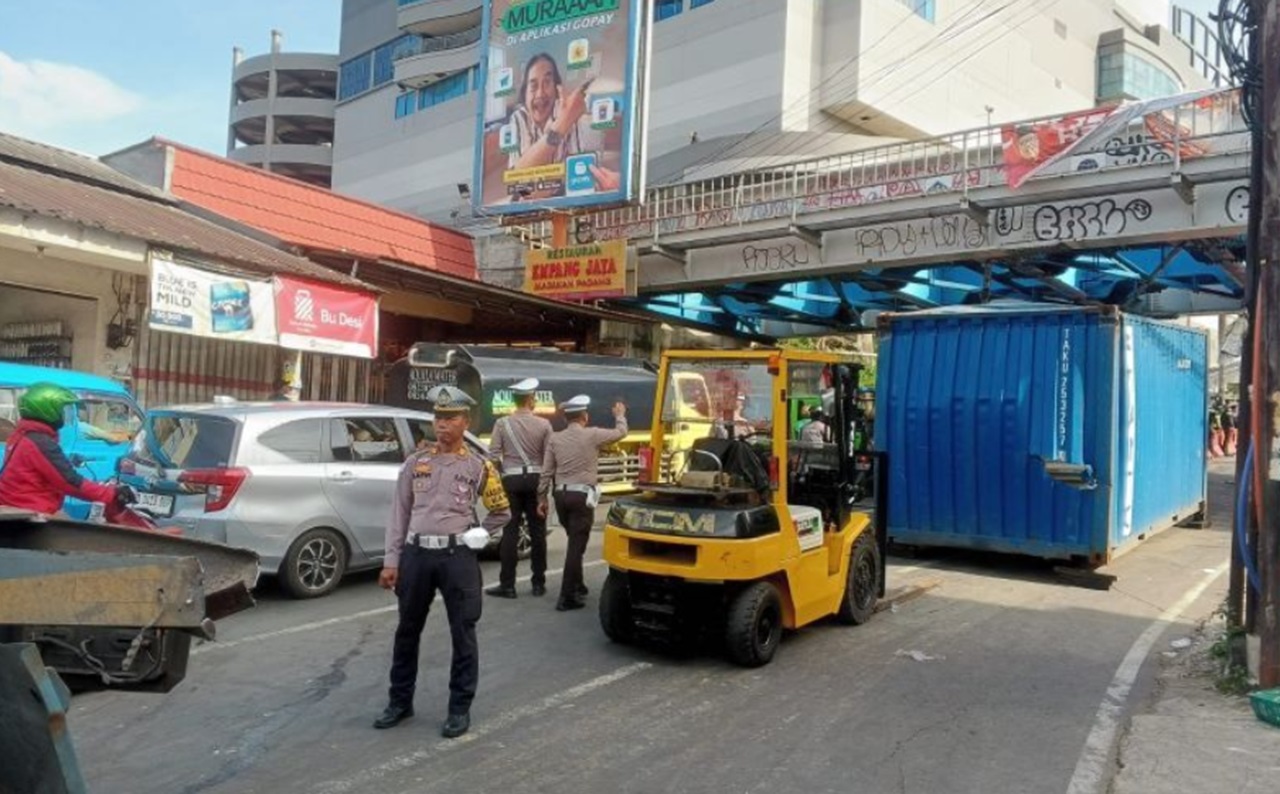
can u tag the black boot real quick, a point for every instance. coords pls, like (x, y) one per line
(501, 591)
(392, 716)
(456, 725)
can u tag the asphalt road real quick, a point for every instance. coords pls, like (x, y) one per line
(1010, 693)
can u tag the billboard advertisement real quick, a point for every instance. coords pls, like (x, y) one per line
(580, 272)
(185, 300)
(559, 119)
(321, 319)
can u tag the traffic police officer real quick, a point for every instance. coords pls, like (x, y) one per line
(572, 462)
(518, 445)
(430, 547)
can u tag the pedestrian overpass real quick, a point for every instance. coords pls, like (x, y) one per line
(1142, 207)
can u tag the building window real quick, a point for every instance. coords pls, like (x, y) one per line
(699, 3)
(444, 90)
(1130, 76)
(665, 9)
(354, 76)
(438, 93)
(406, 103)
(373, 68)
(925, 9)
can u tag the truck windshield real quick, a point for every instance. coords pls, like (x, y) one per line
(717, 399)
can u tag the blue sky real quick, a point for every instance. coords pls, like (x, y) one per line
(99, 75)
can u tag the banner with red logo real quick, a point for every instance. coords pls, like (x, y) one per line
(1028, 148)
(322, 319)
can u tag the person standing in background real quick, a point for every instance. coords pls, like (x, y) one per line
(571, 463)
(518, 446)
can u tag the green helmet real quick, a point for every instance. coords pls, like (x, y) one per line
(45, 402)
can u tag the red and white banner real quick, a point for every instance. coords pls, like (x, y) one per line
(323, 319)
(1028, 148)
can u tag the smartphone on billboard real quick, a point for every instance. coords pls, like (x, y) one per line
(578, 180)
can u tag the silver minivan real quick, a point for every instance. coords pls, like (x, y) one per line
(308, 486)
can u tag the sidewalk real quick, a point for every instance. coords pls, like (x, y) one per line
(1189, 737)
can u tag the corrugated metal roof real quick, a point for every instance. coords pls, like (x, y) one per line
(76, 195)
(315, 218)
(79, 166)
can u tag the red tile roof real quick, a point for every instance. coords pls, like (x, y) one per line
(69, 187)
(314, 218)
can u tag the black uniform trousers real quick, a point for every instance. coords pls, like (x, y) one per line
(522, 493)
(576, 517)
(455, 572)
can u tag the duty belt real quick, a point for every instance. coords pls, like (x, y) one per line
(518, 470)
(431, 541)
(576, 488)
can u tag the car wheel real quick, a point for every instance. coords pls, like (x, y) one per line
(754, 626)
(862, 586)
(314, 564)
(615, 608)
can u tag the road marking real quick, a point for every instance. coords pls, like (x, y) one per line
(1090, 773)
(320, 624)
(364, 780)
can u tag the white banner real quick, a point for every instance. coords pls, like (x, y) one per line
(189, 301)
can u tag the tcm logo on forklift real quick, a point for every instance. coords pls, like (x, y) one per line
(675, 521)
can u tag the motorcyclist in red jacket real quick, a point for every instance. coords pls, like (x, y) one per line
(36, 475)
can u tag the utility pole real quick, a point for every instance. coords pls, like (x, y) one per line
(1266, 389)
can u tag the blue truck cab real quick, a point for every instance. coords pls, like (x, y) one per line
(98, 431)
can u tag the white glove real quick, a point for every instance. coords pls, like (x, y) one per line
(476, 538)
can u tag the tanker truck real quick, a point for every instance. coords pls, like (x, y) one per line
(487, 373)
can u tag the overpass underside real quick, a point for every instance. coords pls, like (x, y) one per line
(1142, 206)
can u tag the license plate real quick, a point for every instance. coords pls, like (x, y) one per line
(160, 504)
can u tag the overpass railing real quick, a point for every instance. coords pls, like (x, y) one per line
(1172, 131)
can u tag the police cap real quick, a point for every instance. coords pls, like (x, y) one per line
(449, 400)
(576, 405)
(525, 387)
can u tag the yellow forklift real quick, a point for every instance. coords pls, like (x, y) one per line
(761, 527)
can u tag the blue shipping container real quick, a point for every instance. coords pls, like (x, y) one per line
(1054, 432)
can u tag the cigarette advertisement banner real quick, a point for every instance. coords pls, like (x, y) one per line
(321, 319)
(581, 272)
(559, 120)
(189, 301)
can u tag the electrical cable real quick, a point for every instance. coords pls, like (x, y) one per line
(1031, 14)
(958, 27)
(831, 82)
(1242, 505)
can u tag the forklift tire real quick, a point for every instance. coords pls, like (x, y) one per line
(615, 608)
(862, 586)
(754, 625)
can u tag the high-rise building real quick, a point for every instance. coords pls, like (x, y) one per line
(281, 116)
(740, 84)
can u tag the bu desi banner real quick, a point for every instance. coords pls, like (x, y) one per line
(580, 272)
(322, 319)
(560, 110)
(1030, 147)
(185, 300)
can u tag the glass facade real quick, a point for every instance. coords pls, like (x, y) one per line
(1127, 75)
(374, 68)
(437, 93)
